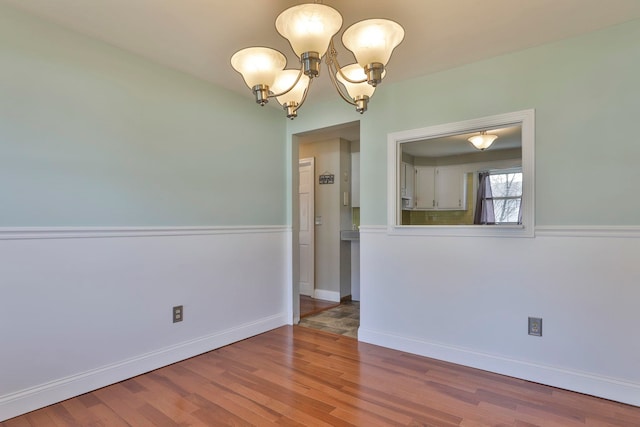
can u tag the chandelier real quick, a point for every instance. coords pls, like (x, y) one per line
(310, 28)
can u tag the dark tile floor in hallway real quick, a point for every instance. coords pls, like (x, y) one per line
(343, 319)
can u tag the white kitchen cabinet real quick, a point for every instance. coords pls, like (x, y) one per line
(407, 183)
(450, 188)
(440, 188)
(425, 187)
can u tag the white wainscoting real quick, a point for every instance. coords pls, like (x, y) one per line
(467, 299)
(86, 307)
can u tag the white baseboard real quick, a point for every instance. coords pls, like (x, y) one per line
(581, 382)
(327, 295)
(24, 401)
(306, 290)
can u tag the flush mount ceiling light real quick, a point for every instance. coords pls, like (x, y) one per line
(310, 28)
(483, 141)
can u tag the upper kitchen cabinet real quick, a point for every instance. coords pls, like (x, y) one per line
(440, 188)
(407, 184)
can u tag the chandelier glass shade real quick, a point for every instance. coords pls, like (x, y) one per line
(482, 141)
(359, 92)
(260, 66)
(372, 41)
(310, 28)
(291, 99)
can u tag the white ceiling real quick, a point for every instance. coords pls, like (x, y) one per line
(508, 137)
(199, 36)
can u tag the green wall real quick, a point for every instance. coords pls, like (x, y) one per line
(586, 93)
(91, 135)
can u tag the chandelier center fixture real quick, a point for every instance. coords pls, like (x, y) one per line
(310, 28)
(483, 141)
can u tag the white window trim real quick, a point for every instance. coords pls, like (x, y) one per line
(525, 118)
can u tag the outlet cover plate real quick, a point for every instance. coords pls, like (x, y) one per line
(535, 326)
(178, 314)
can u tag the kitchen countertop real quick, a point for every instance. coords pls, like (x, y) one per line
(349, 235)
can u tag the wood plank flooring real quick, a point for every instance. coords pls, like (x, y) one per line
(310, 306)
(296, 376)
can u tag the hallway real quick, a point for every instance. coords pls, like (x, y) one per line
(343, 319)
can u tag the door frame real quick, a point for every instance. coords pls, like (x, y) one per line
(309, 161)
(295, 138)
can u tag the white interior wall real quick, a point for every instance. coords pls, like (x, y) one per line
(467, 299)
(86, 309)
(153, 162)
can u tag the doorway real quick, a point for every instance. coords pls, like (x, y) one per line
(323, 210)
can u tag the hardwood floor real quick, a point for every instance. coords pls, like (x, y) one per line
(298, 376)
(309, 306)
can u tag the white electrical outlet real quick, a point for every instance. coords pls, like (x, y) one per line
(535, 326)
(178, 314)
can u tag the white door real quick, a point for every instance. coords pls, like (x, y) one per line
(306, 237)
